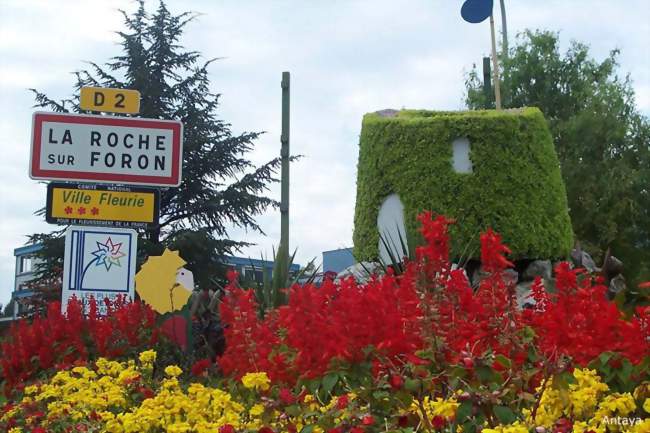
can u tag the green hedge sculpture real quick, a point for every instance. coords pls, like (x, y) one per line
(515, 185)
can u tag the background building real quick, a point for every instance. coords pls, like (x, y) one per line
(253, 269)
(26, 263)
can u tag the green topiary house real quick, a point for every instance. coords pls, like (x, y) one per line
(486, 169)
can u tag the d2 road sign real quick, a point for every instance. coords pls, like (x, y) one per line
(109, 100)
(106, 149)
(93, 205)
(99, 262)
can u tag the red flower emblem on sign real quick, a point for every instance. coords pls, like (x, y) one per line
(94, 211)
(81, 210)
(68, 210)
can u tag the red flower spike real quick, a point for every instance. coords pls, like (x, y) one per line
(492, 252)
(396, 381)
(342, 402)
(200, 367)
(286, 396)
(333, 322)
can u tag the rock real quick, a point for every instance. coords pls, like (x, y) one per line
(582, 259)
(524, 295)
(510, 276)
(616, 285)
(612, 267)
(541, 268)
(360, 271)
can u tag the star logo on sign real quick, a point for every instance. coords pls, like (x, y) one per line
(108, 254)
(68, 210)
(81, 210)
(94, 211)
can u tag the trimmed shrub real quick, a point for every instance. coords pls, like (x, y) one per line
(515, 185)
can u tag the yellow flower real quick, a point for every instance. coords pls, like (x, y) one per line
(31, 389)
(438, 407)
(256, 381)
(642, 427)
(148, 357)
(646, 404)
(173, 370)
(256, 410)
(615, 404)
(516, 427)
(15, 430)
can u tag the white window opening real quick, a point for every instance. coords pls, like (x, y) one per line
(462, 163)
(390, 222)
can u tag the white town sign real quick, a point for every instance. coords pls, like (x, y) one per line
(107, 149)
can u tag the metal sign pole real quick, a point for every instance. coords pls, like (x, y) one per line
(284, 153)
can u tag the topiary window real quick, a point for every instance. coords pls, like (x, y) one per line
(461, 161)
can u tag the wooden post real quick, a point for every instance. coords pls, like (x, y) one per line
(495, 66)
(504, 29)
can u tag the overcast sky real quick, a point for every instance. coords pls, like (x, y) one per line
(346, 58)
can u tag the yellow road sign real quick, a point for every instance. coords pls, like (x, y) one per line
(105, 206)
(110, 100)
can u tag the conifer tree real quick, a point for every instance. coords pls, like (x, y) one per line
(220, 186)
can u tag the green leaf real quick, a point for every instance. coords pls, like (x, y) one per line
(484, 373)
(504, 415)
(380, 395)
(293, 410)
(307, 429)
(329, 382)
(469, 427)
(413, 385)
(464, 411)
(605, 357)
(503, 360)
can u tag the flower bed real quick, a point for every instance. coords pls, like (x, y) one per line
(121, 397)
(419, 351)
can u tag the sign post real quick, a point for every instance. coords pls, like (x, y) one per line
(100, 261)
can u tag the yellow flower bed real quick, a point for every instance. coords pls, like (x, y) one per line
(107, 397)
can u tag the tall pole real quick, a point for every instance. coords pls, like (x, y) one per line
(284, 180)
(487, 82)
(504, 28)
(495, 65)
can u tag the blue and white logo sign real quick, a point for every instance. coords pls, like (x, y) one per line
(98, 263)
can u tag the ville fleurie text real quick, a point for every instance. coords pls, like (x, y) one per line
(96, 205)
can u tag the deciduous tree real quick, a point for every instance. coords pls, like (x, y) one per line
(600, 136)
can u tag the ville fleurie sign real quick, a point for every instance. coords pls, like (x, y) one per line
(106, 149)
(108, 206)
